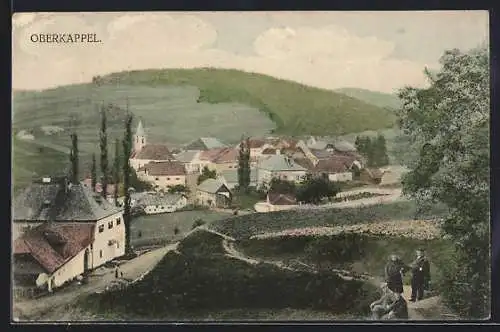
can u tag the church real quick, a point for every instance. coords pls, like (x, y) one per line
(144, 153)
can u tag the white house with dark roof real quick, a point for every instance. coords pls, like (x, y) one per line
(144, 153)
(154, 203)
(62, 230)
(280, 167)
(213, 193)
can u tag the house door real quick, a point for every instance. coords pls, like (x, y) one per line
(86, 260)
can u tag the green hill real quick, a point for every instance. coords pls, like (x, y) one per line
(380, 99)
(294, 108)
(177, 106)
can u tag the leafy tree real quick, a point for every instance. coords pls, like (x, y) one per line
(206, 173)
(93, 173)
(316, 188)
(104, 153)
(137, 183)
(127, 150)
(282, 186)
(380, 149)
(116, 171)
(198, 222)
(448, 129)
(244, 165)
(179, 188)
(73, 156)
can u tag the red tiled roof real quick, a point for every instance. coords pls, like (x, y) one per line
(281, 199)
(227, 155)
(52, 245)
(305, 162)
(154, 152)
(269, 151)
(335, 164)
(211, 154)
(164, 168)
(255, 143)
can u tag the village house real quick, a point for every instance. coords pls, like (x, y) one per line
(214, 194)
(226, 159)
(163, 174)
(205, 143)
(144, 153)
(280, 167)
(191, 161)
(371, 175)
(61, 231)
(338, 169)
(277, 202)
(256, 146)
(155, 203)
(230, 178)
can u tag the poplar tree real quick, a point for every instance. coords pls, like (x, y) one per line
(104, 153)
(244, 164)
(93, 173)
(73, 156)
(116, 170)
(127, 148)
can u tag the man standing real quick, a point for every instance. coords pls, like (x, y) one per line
(420, 276)
(394, 271)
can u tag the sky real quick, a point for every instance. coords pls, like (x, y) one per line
(380, 51)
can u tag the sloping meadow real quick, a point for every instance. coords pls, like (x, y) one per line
(202, 278)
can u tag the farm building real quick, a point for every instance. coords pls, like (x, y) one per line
(337, 168)
(371, 175)
(163, 174)
(281, 167)
(63, 230)
(155, 203)
(144, 153)
(277, 202)
(213, 193)
(230, 178)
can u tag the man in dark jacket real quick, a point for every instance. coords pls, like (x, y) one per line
(394, 271)
(421, 277)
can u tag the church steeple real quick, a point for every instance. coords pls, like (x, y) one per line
(139, 138)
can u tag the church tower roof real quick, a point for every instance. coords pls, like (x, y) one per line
(140, 129)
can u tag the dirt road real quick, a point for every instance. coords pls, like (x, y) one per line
(45, 308)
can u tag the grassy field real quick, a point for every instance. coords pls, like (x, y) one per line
(242, 227)
(202, 279)
(159, 228)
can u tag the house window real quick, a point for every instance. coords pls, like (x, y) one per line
(100, 253)
(110, 224)
(143, 141)
(118, 221)
(284, 177)
(101, 228)
(157, 179)
(168, 179)
(177, 178)
(117, 244)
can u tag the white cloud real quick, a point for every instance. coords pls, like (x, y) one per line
(328, 57)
